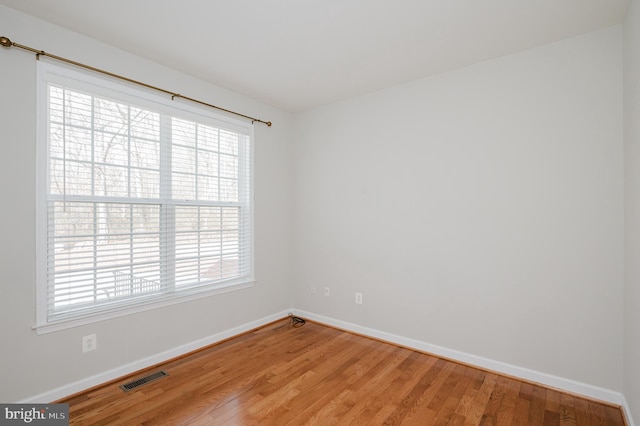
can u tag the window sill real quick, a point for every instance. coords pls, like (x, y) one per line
(174, 299)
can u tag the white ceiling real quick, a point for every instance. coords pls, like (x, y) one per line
(300, 54)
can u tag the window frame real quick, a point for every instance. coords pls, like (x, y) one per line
(89, 82)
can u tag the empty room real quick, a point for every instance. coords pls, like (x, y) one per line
(421, 212)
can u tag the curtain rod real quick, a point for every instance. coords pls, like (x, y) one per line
(6, 42)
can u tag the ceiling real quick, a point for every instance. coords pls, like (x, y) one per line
(297, 55)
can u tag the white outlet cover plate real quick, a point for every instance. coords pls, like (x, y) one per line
(89, 343)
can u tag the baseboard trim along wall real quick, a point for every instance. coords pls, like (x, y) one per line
(140, 364)
(473, 360)
(627, 412)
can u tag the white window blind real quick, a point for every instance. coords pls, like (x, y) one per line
(143, 201)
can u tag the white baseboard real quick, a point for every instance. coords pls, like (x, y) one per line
(627, 411)
(89, 382)
(489, 364)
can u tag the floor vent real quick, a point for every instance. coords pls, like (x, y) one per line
(144, 380)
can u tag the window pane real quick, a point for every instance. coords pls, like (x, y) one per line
(208, 188)
(111, 181)
(184, 186)
(145, 124)
(77, 109)
(74, 178)
(145, 154)
(111, 117)
(111, 149)
(207, 163)
(183, 159)
(228, 190)
(145, 183)
(56, 140)
(228, 166)
(56, 104)
(186, 218)
(208, 138)
(228, 142)
(77, 144)
(183, 133)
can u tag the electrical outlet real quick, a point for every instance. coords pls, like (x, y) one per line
(89, 343)
(359, 298)
(327, 292)
(313, 289)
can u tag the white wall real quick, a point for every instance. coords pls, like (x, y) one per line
(480, 210)
(32, 364)
(632, 208)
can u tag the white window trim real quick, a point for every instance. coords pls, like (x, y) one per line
(139, 97)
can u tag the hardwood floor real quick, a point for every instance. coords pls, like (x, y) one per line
(317, 375)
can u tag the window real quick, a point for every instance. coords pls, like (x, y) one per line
(141, 200)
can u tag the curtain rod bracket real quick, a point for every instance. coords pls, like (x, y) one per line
(6, 42)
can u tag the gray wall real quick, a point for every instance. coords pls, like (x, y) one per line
(480, 210)
(632, 208)
(32, 364)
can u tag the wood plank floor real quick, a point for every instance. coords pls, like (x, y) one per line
(317, 375)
